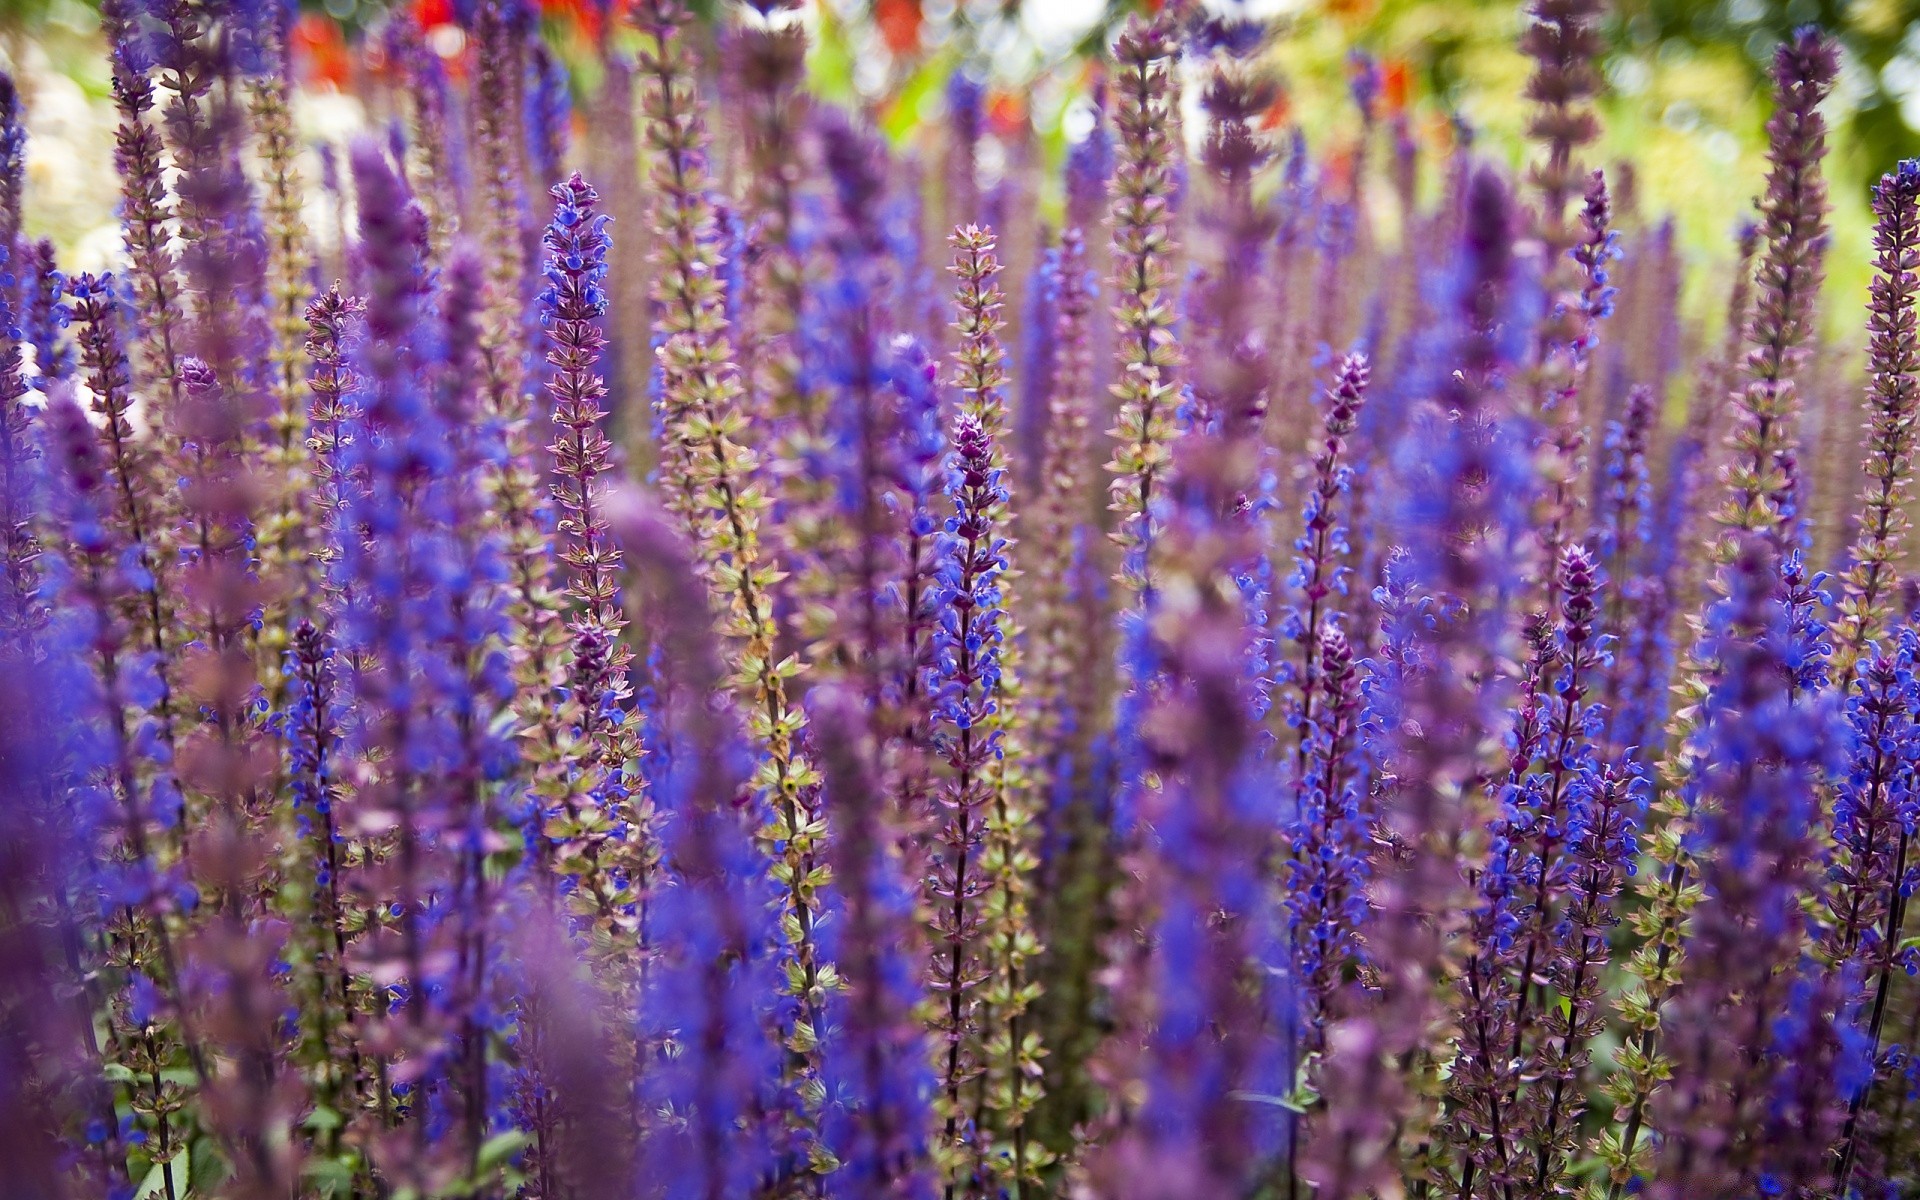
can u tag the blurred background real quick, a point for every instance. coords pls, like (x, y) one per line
(1686, 102)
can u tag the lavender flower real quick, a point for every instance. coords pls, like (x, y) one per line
(442, 178)
(1238, 93)
(880, 1076)
(1010, 1048)
(1566, 753)
(1464, 556)
(966, 117)
(1520, 890)
(404, 686)
(715, 993)
(97, 312)
(844, 514)
(1869, 877)
(1793, 224)
(1620, 545)
(1668, 888)
(549, 113)
(1893, 363)
(1562, 41)
(143, 208)
(54, 1147)
(1062, 508)
(287, 284)
(330, 421)
(1143, 285)
(1758, 764)
(1603, 818)
(13, 174)
(922, 457)
(965, 684)
(394, 800)
(1330, 859)
(47, 315)
(1568, 338)
(503, 231)
(718, 493)
(1213, 1070)
(332, 993)
(1320, 572)
(126, 801)
(19, 547)
(1089, 169)
(769, 55)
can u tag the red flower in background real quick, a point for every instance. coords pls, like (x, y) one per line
(1337, 165)
(1278, 112)
(1396, 82)
(320, 51)
(582, 17)
(1006, 111)
(899, 22)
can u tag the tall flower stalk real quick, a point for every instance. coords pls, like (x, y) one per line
(1145, 290)
(600, 826)
(966, 676)
(1894, 401)
(1219, 944)
(1761, 486)
(770, 51)
(1758, 762)
(1601, 825)
(1870, 873)
(715, 476)
(138, 156)
(332, 321)
(1320, 569)
(716, 991)
(1460, 500)
(1760, 499)
(288, 288)
(19, 544)
(1064, 500)
(109, 376)
(880, 1074)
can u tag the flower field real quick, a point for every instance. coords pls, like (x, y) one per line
(602, 602)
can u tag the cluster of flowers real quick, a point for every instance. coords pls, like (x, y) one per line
(490, 710)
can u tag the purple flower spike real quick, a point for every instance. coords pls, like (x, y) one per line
(1876, 815)
(964, 680)
(1222, 997)
(20, 611)
(1320, 569)
(1893, 361)
(1604, 816)
(1331, 860)
(48, 315)
(1144, 284)
(1762, 490)
(879, 1076)
(573, 302)
(714, 996)
(1759, 759)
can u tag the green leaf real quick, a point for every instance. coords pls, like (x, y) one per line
(499, 1149)
(331, 1176)
(155, 1184)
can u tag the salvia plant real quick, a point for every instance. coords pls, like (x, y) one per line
(652, 641)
